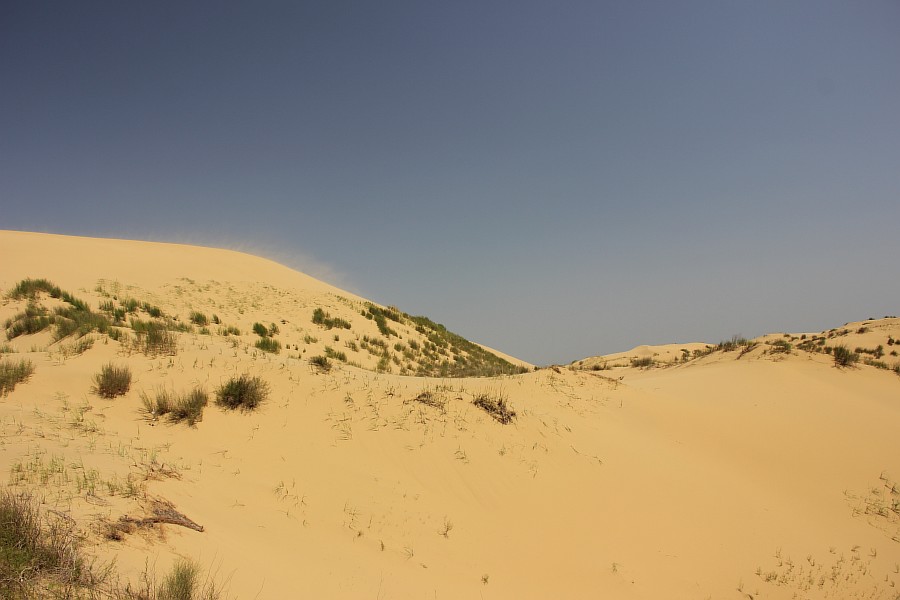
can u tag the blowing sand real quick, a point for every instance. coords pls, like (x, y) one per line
(732, 475)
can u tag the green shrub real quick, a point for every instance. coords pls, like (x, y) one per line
(321, 362)
(155, 337)
(13, 373)
(112, 381)
(153, 311)
(843, 357)
(244, 392)
(320, 317)
(160, 404)
(190, 406)
(268, 344)
(642, 362)
(335, 354)
(187, 407)
(130, 305)
(781, 347)
(260, 330)
(31, 552)
(199, 319)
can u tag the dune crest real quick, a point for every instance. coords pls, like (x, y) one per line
(246, 441)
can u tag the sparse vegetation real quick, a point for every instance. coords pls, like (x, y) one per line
(13, 373)
(321, 362)
(260, 330)
(432, 399)
(780, 347)
(643, 362)
(112, 381)
(199, 319)
(184, 582)
(155, 337)
(187, 407)
(244, 392)
(496, 405)
(335, 354)
(267, 344)
(320, 317)
(843, 357)
(39, 556)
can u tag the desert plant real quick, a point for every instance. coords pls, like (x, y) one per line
(190, 407)
(112, 381)
(320, 362)
(183, 582)
(199, 319)
(642, 362)
(267, 344)
(843, 357)
(13, 373)
(244, 392)
(781, 347)
(186, 407)
(155, 337)
(335, 354)
(320, 317)
(496, 405)
(160, 404)
(35, 549)
(260, 330)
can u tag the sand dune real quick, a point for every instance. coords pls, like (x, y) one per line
(755, 472)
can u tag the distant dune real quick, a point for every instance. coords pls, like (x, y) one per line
(748, 469)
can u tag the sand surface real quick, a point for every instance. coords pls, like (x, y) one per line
(730, 475)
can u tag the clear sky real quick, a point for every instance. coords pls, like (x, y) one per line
(553, 179)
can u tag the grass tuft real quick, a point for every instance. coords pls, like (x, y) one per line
(267, 344)
(321, 362)
(13, 373)
(36, 552)
(244, 392)
(495, 404)
(844, 357)
(187, 407)
(112, 381)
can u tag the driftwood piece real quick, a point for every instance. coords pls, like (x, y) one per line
(163, 512)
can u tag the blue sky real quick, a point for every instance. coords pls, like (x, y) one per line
(553, 179)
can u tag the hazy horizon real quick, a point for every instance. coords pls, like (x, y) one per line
(552, 181)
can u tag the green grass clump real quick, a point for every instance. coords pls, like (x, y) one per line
(260, 330)
(495, 404)
(781, 347)
(185, 581)
(112, 381)
(381, 316)
(13, 373)
(199, 319)
(244, 392)
(320, 317)
(844, 357)
(155, 338)
(335, 354)
(268, 344)
(33, 319)
(321, 362)
(37, 553)
(187, 407)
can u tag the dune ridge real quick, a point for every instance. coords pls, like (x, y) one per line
(751, 471)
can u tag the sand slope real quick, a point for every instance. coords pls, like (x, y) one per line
(760, 476)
